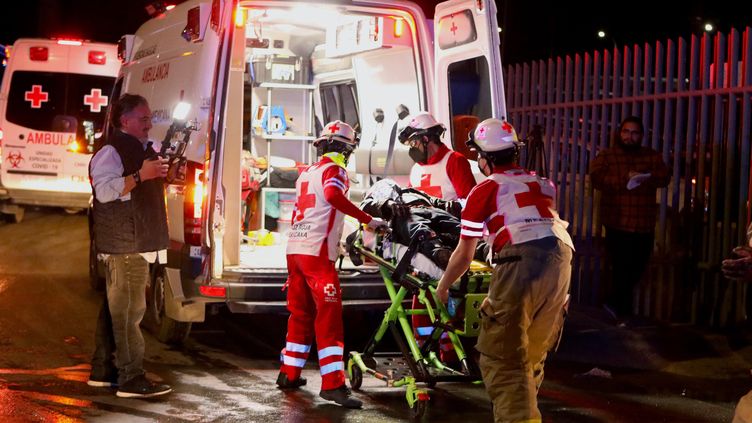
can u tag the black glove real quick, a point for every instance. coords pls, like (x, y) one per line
(392, 209)
(452, 207)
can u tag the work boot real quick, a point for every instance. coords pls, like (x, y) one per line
(284, 383)
(341, 396)
(141, 387)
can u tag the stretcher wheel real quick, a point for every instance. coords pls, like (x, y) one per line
(356, 378)
(418, 410)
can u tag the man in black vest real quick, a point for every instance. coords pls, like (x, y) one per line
(130, 232)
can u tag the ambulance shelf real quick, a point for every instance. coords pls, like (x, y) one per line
(287, 86)
(288, 137)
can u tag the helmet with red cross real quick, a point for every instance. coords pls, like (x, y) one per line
(421, 124)
(493, 135)
(337, 131)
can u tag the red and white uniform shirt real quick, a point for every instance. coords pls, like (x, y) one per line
(513, 206)
(316, 224)
(447, 175)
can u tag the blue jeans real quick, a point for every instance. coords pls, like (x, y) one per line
(118, 327)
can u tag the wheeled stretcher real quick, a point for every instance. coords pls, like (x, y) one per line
(416, 363)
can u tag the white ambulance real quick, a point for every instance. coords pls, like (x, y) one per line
(262, 78)
(52, 107)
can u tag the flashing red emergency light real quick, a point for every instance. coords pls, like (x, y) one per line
(97, 57)
(39, 54)
(70, 42)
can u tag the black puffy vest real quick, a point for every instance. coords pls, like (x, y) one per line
(138, 225)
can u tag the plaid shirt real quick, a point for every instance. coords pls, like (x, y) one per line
(628, 210)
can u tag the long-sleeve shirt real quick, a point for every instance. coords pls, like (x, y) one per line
(621, 208)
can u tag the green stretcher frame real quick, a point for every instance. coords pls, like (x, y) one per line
(425, 366)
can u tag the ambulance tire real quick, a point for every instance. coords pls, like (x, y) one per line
(164, 328)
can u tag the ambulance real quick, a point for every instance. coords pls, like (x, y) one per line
(262, 78)
(52, 108)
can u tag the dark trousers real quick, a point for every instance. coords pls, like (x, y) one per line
(118, 332)
(628, 254)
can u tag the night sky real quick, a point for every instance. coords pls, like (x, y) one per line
(531, 29)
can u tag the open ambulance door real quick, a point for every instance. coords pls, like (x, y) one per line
(467, 62)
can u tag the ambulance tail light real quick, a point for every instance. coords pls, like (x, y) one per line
(74, 147)
(97, 57)
(212, 291)
(193, 202)
(39, 54)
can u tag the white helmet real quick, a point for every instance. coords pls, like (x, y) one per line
(338, 131)
(421, 124)
(494, 135)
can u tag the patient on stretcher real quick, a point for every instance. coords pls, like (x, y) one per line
(414, 214)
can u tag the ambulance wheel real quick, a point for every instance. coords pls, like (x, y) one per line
(418, 410)
(164, 328)
(356, 379)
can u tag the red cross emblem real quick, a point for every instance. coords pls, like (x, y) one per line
(305, 201)
(36, 96)
(95, 100)
(333, 128)
(454, 28)
(330, 290)
(15, 158)
(506, 126)
(535, 197)
(482, 133)
(425, 186)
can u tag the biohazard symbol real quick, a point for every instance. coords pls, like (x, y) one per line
(330, 290)
(15, 158)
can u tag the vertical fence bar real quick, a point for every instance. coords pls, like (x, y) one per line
(523, 121)
(744, 191)
(731, 177)
(557, 147)
(595, 111)
(550, 101)
(574, 143)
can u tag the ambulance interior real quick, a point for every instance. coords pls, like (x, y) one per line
(304, 67)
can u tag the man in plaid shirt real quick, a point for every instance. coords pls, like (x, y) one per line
(628, 176)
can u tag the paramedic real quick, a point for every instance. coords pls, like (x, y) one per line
(130, 232)
(441, 173)
(314, 298)
(438, 171)
(531, 253)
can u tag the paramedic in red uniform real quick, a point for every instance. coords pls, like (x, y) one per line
(314, 298)
(531, 253)
(441, 173)
(438, 171)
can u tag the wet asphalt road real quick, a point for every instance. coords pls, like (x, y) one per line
(226, 370)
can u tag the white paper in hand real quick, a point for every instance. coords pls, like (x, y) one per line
(636, 180)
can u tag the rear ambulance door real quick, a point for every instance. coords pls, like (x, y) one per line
(467, 61)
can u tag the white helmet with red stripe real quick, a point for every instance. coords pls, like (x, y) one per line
(337, 131)
(493, 135)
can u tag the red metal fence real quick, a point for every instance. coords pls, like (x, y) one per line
(694, 99)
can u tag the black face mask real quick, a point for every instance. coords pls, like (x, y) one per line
(418, 156)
